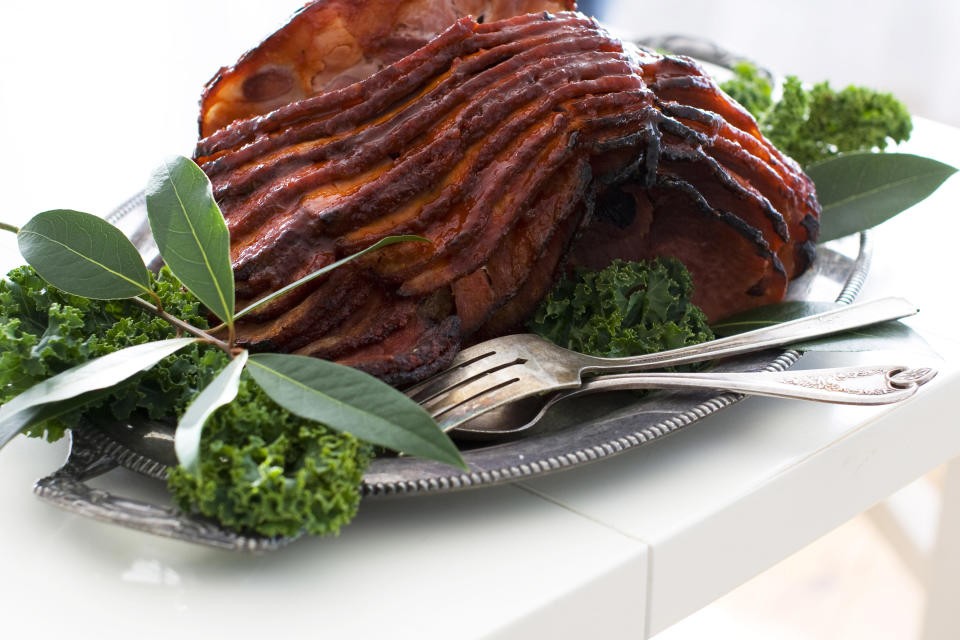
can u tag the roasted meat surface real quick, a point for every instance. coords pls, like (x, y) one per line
(518, 147)
(334, 43)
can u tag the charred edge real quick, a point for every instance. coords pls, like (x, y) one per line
(652, 160)
(777, 221)
(745, 230)
(688, 112)
(420, 363)
(680, 63)
(683, 83)
(812, 227)
(680, 130)
(805, 255)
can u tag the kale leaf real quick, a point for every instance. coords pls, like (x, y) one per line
(750, 88)
(629, 308)
(44, 331)
(811, 125)
(262, 469)
(819, 123)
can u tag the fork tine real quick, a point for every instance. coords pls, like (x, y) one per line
(480, 393)
(486, 393)
(500, 344)
(470, 363)
(466, 383)
(472, 387)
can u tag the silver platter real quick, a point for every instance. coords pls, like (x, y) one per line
(589, 428)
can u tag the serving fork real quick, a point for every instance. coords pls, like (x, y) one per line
(492, 374)
(863, 385)
(147, 447)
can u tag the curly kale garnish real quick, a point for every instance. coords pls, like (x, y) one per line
(815, 124)
(750, 88)
(265, 470)
(262, 469)
(44, 331)
(105, 361)
(629, 308)
(820, 123)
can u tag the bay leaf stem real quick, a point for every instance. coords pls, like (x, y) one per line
(183, 326)
(9, 227)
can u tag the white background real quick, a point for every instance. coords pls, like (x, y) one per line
(127, 76)
(907, 48)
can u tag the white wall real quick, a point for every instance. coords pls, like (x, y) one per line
(911, 49)
(127, 75)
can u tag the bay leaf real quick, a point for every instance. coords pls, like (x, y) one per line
(349, 400)
(83, 255)
(221, 390)
(860, 190)
(52, 410)
(99, 373)
(191, 233)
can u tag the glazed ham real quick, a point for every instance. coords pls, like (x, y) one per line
(516, 146)
(334, 43)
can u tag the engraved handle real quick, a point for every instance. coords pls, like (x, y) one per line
(881, 384)
(868, 385)
(816, 326)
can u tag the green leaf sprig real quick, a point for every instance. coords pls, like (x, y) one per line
(34, 404)
(221, 390)
(84, 255)
(858, 191)
(333, 394)
(817, 123)
(191, 233)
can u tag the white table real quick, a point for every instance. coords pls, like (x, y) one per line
(622, 548)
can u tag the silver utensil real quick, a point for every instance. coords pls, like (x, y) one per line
(503, 370)
(865, 385)
(146, 447)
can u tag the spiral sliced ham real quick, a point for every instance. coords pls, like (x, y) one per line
(516, 146)
(334, 43)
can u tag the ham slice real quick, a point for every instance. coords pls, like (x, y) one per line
(518, 146)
